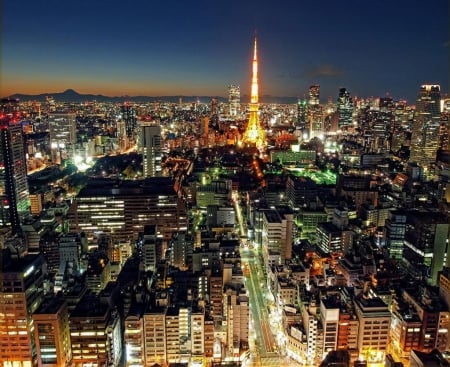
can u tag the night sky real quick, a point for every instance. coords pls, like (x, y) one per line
(189, 47)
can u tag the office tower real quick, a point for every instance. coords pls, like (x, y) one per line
(129, 117)
(236, 314)
(21, 293)
(52, 335)
(181, 249)
(329, 314)
(313, 95)
(63, 135)
(425, 247)
(344, 108)
(405, 330)
(424, 304)
(133, 335)
(394, 234)
(374, 326)
(155, 336)
(234, 99)
(103, 206)
(151, 248)
(15, 203)
(95, 334)
(329, 238)
(197, 336)
(425, 128)
(216, 291)
(277, 225)
(254, 133)
(314, 120)
(302, 109)
(173, 334)
(205, 127)
(149, 146)
(122, 138)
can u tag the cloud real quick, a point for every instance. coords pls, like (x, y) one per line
(325, 70)
(289, 75)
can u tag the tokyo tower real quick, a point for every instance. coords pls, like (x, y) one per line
(254, 133)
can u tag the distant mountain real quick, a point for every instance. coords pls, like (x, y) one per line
(70, 95)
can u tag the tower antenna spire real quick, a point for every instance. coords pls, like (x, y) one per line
(254, 133)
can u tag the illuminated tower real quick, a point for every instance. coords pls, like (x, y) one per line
(345, 108)
(314, 93)
(21, 293)
(14, 192)
(425, 129)
(150, 148)
(234, 99)
(254, 133)
(63, 134)
(129, 116)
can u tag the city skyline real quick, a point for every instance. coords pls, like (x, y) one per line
(196, 49)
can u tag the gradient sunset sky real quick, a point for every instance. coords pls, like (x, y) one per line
(157, 48)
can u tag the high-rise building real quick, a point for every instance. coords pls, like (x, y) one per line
(236, 314)
(15, 197)
(329, 314)
(394, 233)
(234, 99)
(129, 117)
(95, 334)
(21, 293)
(63, 134)
(149, 146)
(425, 247)
(312, 112)
(374, 326)
(344, 108)
(121, 210)
(314, 94)
(302, 108)
(425, 128)
(52, 336)
(277, 225)
(155, 336)
(254, 133)
(134, 336)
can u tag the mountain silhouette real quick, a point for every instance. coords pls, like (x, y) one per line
(70, 95)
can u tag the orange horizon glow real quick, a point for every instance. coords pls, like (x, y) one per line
(12, 85)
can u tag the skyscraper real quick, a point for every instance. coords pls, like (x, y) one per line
(150, 148)
(129, 117)
(63, 134)
(314, 93)
(254, 134)
(425, 129)
(234, 99)
(345, 108)
(21, 293)
(13, 177)
(52, 335)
